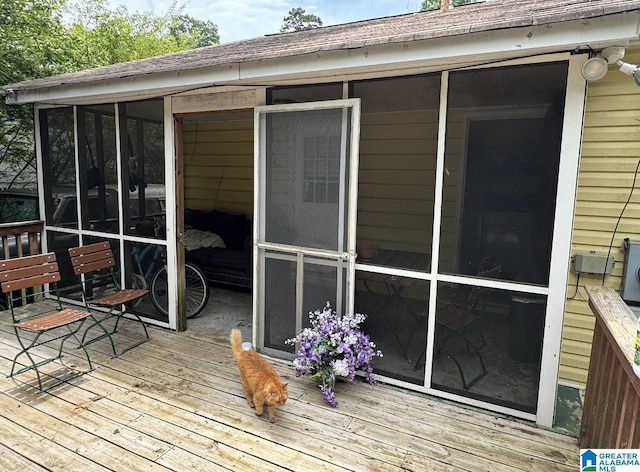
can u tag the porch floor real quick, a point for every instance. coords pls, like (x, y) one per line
(176, 403)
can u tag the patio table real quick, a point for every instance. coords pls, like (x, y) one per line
(395, 285)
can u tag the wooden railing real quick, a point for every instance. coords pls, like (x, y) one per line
(20, 239)
(611, 413)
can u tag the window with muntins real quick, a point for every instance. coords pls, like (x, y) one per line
(321, 169)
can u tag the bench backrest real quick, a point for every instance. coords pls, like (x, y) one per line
(91, 258)
(28, 272)
(95, 265)
(27, 280)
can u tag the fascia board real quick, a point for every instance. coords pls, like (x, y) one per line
(129, 88)
(458, 51)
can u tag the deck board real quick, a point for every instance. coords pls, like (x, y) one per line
(176, 403)
(12, 462)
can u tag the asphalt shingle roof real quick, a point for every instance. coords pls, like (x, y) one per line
(486, 16)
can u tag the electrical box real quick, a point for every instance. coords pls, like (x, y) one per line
(630, 290)
(592, 263)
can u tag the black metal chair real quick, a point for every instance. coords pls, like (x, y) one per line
(460, 319)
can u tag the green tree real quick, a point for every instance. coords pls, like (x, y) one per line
(36, 42)
(204, 32)
(28, 49)
(299, 20)
(436, 4)
(99, 37)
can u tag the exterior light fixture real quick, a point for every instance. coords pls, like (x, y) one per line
(630, 69)
(596, 67)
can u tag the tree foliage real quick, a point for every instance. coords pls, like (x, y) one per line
(205, 33)
(436, 4)
(39, 38)
(299, 20)
(28, 49)
(99, 37)
(28, 29)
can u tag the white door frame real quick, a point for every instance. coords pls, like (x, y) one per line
(345, 256)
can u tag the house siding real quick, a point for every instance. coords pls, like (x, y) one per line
(608, 162)
(218, 166)
(396, 181)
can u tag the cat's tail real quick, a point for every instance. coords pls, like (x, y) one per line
(236, 342)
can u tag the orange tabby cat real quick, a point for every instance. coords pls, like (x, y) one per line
(260, 381)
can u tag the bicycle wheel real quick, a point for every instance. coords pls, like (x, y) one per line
(196, 294)
(159, 290)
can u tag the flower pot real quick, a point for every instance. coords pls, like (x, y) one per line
(331, 378)
(366, 253)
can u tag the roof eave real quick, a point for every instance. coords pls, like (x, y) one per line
(428, 54)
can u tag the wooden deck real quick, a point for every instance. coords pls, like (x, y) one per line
(175, 403)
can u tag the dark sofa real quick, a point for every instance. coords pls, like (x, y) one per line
(229, 265)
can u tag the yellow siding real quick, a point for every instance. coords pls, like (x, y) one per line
(609, 158)
(218, 166)
(397, 180)
(450, 232)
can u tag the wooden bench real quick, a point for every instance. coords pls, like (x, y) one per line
(40, 323)
(95, 264)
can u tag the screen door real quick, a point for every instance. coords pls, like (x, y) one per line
(305, 196)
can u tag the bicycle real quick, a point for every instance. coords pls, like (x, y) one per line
(150, 272)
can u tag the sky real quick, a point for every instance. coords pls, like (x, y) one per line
(242, 19)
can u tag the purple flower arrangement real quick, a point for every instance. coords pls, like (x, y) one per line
(334, 346)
